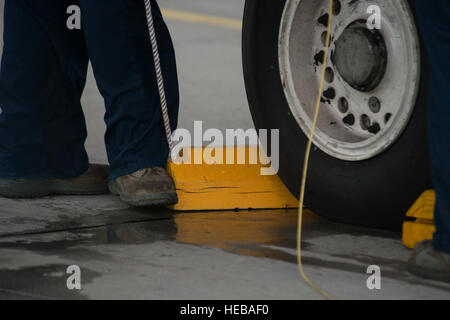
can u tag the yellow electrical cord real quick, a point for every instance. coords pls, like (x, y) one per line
(305, 165)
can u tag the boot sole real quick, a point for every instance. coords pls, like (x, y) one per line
(40, 188)
(150, 200)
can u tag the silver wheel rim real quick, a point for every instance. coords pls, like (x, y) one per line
(380, 110)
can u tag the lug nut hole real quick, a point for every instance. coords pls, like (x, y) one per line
(365, 122)
(349, 120)
(374, 105)
(336, 7)
(375, 128)
(323, 38)
(329, 94)
(318, 58)
(329, 75)
(323, 20)
(343, 105)
(387, 117)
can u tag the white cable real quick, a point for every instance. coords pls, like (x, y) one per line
(159, 75)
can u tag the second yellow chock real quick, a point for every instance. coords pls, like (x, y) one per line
(420, 224)
(212, 186)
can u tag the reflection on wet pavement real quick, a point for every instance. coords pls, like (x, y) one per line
(238, 232)
(109, 238)
(266, 234)
(252, 233)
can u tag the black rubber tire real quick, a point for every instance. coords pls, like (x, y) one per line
(374, 193)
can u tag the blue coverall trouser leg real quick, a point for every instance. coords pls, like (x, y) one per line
(434, 20)
(43, 74)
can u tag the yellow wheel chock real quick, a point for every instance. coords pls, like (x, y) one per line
(222, 186)
(420, 220)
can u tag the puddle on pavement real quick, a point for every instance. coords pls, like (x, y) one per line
(245, 232)
(266, 234)
(259, 233)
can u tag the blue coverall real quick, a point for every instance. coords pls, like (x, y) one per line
(434, 20)
(43, 73)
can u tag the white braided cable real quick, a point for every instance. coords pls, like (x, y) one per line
(159, 75)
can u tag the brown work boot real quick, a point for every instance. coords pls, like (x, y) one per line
(93, 181)
(145, 187)
(428, 263)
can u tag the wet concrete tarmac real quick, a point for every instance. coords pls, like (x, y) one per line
(125, 252)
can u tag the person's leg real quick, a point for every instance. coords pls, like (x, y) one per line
(120, 51)
(43, 70)
(432, 259)
(42, 76)
(434, 18)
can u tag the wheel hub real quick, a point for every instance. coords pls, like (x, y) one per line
(360, 56)
(371, 76)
